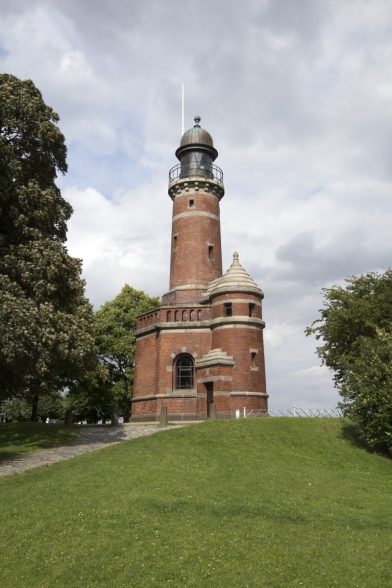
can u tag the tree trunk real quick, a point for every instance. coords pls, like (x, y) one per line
(34, 408)
(68, 416)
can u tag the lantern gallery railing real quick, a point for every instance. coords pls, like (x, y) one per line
(180, 171)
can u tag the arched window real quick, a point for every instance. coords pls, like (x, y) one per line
(184, 372)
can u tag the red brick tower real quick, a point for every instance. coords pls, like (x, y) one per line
(201, 352)
(196, 187)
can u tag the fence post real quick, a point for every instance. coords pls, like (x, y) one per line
(163, 416)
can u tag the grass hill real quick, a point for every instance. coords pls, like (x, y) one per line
(263, 502)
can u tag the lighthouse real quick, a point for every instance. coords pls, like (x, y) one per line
(200, 353)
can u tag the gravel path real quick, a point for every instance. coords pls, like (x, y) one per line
(91, 438)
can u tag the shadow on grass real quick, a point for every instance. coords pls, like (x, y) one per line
(278, 514)
(20, 439)
(351, 432)
(17, 439)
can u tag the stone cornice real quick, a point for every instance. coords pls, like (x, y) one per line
(196, 184)
(240, 393)
(237, 320)
(189, 394)
(203, 326)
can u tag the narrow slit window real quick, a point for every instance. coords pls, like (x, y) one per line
(254, 359)
(251, 309)
(176, 315)
(199, 315)
(174, 242)
(191, 203)
(210, 252)
(191, 315)
(227, 309)
(168, 316)
(184, 315)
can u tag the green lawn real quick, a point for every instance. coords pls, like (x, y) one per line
(19, 438)
(267, 502)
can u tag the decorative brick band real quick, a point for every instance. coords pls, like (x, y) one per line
(237, 320)
(178, 327)
(236, 301)
(261, 394)
(214, 379)
(188, 287)
(196, 213)
(196, 185)
(190, 394)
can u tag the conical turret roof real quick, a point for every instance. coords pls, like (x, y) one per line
(236, 279)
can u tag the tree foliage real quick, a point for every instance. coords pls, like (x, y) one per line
(116, 341)
(355, 329)
(91, 396)
(46, 329)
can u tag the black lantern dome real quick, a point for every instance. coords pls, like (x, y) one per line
(197, 155)
(196, 152)
(197, 139)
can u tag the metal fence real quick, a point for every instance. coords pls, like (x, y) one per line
(181, 171)
(296, 412)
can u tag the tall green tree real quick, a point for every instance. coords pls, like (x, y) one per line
(355, 330)
(116, 340)
(46, 327)
(91, 397)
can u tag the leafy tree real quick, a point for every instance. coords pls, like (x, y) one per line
(91, 396)
(50, 406)
(368, 390)
(355, 329)
(46, 327)
(116, 341)
(17, 409)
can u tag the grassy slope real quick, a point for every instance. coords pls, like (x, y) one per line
(20, 438)
(268, 502)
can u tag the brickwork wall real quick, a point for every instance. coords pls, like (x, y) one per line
(183, 325)
(195, 229)
(172, 344)
(146, 366)
(243, 341)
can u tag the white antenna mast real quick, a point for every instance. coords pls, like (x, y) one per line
(182, 107)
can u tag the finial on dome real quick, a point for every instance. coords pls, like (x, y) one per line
(197, 120)
(235, 256)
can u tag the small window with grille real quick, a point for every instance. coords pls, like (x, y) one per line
(184, 372)
(227, 309)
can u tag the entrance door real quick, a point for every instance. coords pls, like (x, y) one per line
(210, 397)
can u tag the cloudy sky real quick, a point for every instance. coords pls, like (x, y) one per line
(298, 97)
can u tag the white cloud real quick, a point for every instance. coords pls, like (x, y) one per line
(297, 98)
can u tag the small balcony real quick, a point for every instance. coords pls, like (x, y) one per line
(208, 172)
